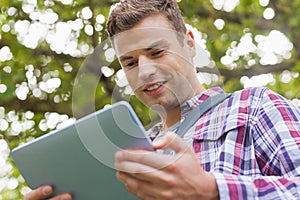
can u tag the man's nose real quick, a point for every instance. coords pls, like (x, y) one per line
(146, 67)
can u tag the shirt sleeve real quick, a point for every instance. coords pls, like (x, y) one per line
(262, 187)
(275, 130)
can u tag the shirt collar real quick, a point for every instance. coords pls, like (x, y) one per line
(198, 99)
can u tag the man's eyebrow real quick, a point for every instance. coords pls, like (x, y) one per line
(124, 58)
(157, 44)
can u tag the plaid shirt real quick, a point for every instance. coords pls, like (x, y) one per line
(250, 142)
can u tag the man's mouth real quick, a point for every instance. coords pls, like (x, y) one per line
(155, 86)
(154, 89)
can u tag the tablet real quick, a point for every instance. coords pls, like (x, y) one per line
(80, 158)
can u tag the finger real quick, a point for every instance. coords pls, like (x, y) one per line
(133, 167)
(140, 188)
(131, 161)
(141, 172)
(44, 191)
(64, 196)
(39, 193)
(126, 177)
(172, 141)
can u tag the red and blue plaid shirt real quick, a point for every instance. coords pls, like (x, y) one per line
(250, 142)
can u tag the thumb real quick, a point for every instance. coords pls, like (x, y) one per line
(172, 141)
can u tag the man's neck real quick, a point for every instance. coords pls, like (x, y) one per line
(171, 117)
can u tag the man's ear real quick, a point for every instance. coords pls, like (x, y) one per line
(190, 42)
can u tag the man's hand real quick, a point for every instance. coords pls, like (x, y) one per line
(150, 175)
(43, 192)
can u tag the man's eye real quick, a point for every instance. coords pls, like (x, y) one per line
(130, 64)
(157, 53)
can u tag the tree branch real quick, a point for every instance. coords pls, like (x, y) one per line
(255, 70)
(38, 106)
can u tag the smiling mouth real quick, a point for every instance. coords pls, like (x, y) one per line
(154, 87)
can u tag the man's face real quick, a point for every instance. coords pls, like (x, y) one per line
(158, 67)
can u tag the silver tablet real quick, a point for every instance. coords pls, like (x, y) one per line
(80, 158)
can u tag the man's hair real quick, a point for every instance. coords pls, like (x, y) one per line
(128, 13)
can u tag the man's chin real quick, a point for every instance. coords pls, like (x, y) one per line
(157, 108)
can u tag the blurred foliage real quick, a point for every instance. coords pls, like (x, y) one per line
(22, 119)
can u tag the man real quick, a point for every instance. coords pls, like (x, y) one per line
(246, 147)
